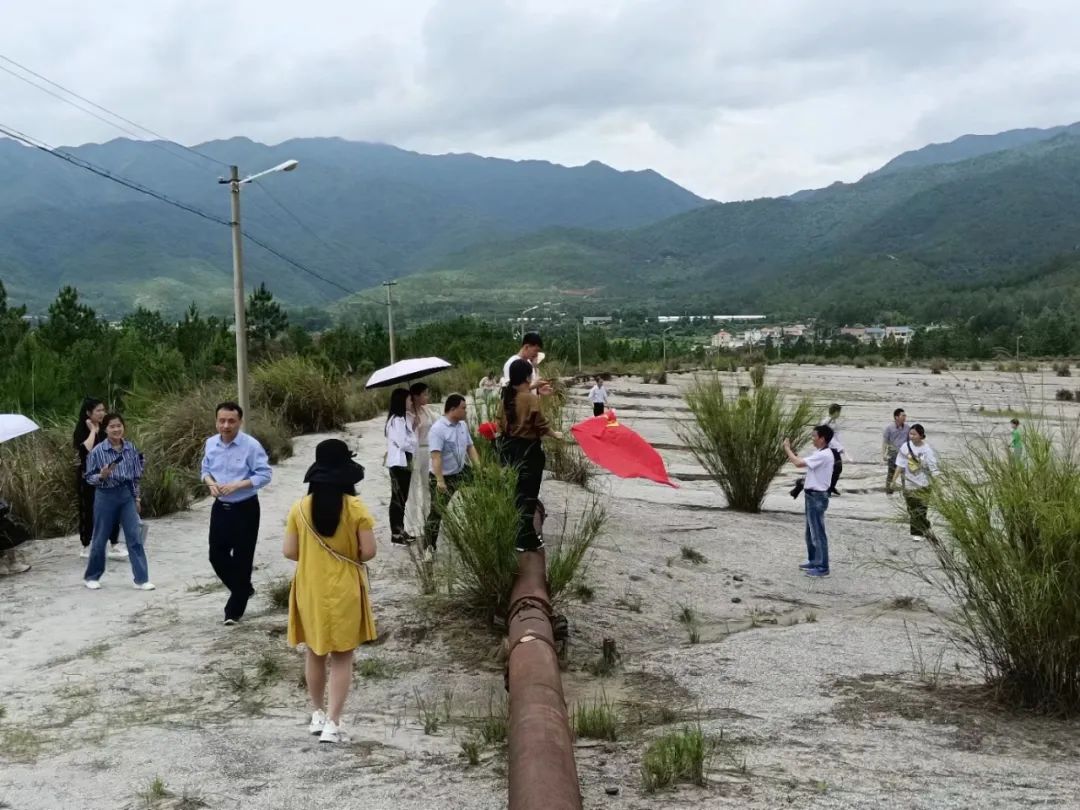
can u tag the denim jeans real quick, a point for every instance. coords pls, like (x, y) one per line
(817, 542)
(113, 506)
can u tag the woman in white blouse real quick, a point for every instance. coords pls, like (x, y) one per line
(401, 446)
(421, 420)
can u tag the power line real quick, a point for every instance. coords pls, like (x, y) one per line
(97, 106)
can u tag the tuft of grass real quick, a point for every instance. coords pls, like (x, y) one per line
(210, 586)
(20, 744)
(810, 617)
(374, 669)
(597, 720)
(278, 592)
(608, 661)
(268, 670)
(757, 375)
(688, 618)
(565, 459)
(155, 792)
(1062, 370)
(584, 592)
(567, 556)
(938, 365)
(470, 749)
(428, 713)
(678, 756)
(1010, 563)
(1064, 395)
(693, 556)
(630, 601)
(238, 681)
(494, 725)
(311, 399)
(739, 440)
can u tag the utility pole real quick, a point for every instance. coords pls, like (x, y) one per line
(1018, 337)
(390, 316)
(579, 348)
(240, 319)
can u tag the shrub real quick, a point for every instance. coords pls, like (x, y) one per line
(565, 459)
(975, 366)
(1011, 566)
(938, 365)
(566, 556)
(860, 362)
(598, 720)
(361, 404)
(676, 757)
(167, 488)
(1064, 395)
(480, 526)
(309, 399)
(757, 376)
(1062, 370)
(739, 441)
(37, 477)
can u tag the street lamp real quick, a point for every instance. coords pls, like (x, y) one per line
(240, 318)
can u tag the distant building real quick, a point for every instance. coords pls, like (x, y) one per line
(738, 317)
(901, 334)
(857, 332)
(595, 320)
(874, 334)
(722, 340)
(796, 330)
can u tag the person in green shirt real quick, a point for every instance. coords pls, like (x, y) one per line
(1016, 442)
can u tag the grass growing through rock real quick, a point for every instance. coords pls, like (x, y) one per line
(692, 556)
(1010, 563)
(428, 712)
(597, 720)
(688, 618)
(584, 592)
(374, 669)
(494, 725)
(278, 593)
(739, 439)
(470, 749)
(630, 601)
(566, 556)
(679, 756)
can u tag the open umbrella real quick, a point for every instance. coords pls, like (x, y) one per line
(15, 424)
(405, 370)
(617, 448)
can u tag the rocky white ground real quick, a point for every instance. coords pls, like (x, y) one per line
(842, 693)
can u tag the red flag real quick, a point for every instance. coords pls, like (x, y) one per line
(619, 449)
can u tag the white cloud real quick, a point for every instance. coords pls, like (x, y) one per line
(731, 99)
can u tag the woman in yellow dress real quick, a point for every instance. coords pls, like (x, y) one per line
(330, 535)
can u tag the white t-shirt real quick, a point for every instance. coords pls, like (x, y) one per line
(819, 467)
(506, 370)
(836, 443)
(598, 395)
(918, 464)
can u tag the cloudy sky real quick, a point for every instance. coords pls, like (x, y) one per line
(732, 99)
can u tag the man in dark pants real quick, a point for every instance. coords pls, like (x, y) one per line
(234, 468)
(451, 446)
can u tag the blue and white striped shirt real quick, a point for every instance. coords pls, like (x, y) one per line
(127, 468)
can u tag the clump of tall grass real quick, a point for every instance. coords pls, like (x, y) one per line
(565, 459)
(1062, 370)
(739, 440)
(361, 404)
(167, 488)
(1010, 562)
(938, 365)
(481, 525)
(567, 556)
(757, 376)
(37, 477)
(679, 756)
(309, 398)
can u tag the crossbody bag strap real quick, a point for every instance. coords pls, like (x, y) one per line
(323, 543)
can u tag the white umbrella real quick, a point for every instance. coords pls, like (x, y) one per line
(405, 370)
(15, 424)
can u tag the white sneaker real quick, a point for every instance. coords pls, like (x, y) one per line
(93, 584)
(118, 553)
(146, 586)
(318, 722)
(333, 733)
(85, 553)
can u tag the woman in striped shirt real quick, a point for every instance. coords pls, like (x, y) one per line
(114, 468)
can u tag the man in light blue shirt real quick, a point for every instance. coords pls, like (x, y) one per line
(451, 446)
(234, 468)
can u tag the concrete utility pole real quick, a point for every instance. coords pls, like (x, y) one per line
(240, 315)
(390, 317)
(579, 348)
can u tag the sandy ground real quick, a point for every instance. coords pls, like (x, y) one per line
(838, 693)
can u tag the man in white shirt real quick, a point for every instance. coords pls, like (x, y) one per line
(451, 446)
(819, 469)
(531, 344)
(598, 396)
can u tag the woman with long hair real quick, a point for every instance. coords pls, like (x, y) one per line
(523, 426)
(330, 535)
(401, 446)
(919, 463)
(419, 503)
(88, 435)
(114, 468)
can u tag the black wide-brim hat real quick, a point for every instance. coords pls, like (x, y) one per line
(334, 465)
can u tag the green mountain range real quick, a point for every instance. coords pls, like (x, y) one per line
(354, 213)
(933, 235)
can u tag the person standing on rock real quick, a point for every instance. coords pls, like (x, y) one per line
(234, 468)
(837, 447)
(598, 396)
(531, 344)
(419, 503)
(892, 439)
(88, 435)
(401, 446)
(114, 468)
(819, 468)
(523, 426)
(451, 447)
(919, 464)
(330, 534)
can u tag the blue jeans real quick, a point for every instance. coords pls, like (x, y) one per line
(112, 506)
(817, 542)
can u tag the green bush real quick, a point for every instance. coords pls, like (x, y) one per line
(597, 720)
(1064, 395)
(361, 404)
(1062, 370)
(481, 525)
(1011, 565)
(757, 376)
(37, 477)
(679, 756)
(166, 488)
(309, 399)
(739, 440)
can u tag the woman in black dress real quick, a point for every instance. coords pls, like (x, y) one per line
(88, 434)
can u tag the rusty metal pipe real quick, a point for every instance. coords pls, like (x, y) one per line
(543, 774)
